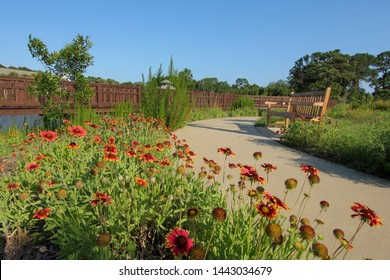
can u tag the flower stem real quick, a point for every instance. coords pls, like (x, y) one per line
(353, 237)
(211, 238)
(300, 193)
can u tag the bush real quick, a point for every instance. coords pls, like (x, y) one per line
(242, 102)
(173, 104)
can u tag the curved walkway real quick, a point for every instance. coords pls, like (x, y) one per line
(340, 186)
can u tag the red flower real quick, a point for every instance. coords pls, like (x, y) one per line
(32, 166)
(366, 214)
(42, 214)
(310, 169)
(91, 124)
(111, 148)
(266, 209)
(111, 157)
(141, 182)
(38, 158)
(130, 152)
(111, 140)
(232, 165)
(268, 167)
(178, 241)
(77, 130)
(148, 157)
(135, 143)
(97, 139)
(12, 186)
(73, 145)
(48, 135)
(226, 152)
(102, 198)
(276, 201)
(66, 122)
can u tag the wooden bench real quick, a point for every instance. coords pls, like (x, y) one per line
(307, 105)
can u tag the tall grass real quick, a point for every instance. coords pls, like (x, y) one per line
(358, 138)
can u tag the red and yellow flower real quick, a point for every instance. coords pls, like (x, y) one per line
(73, 145)
(32, 166)
(111, 157)
(141, 182)
(178, 241)
(310, 169)
(266, 209)
(42, 214)
(275, 201)
(226, 152)
(101, 198)
(77, 130)
(366, 214)
(268, 167)
(48, 135)
(12, 186)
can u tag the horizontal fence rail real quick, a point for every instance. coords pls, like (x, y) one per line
(15, 99)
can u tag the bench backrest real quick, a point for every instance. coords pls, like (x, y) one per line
(310, 104)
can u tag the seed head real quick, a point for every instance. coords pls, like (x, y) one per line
(307, 232)
(273, 230)
(219, 214)
(314, 179)
(196, 253)
(338, 233)
(320, 250)
(324, 204)
(291, 183)
(24, 196)
(62, 193)
(103, 240)
(305, 221)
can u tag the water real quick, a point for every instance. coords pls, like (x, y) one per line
(7, 122)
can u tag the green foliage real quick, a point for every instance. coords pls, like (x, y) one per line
(340, 71)
(382, 105)
(242, 102)
(358, 138)
(71, 62)
(171, 103)
(54, 98)
(382, 82)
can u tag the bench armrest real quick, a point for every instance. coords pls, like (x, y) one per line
(270, 103)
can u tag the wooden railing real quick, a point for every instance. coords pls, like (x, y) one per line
(15, 100)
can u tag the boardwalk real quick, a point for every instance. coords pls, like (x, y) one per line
(340, 186)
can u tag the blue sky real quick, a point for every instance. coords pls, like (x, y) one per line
(257, 40)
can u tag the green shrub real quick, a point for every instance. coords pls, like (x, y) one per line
(172, 104)
(242, 102)
(382, 105)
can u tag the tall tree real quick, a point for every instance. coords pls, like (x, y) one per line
(382, 82)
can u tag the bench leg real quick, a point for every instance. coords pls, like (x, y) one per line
(268, 117)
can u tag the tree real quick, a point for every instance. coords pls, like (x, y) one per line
(241, 83)
(342, 72)
(208, 84)
(186, 74)
(71, 63)
(382, 82)
(279, 88)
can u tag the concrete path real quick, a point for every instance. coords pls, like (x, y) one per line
(340, 186)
